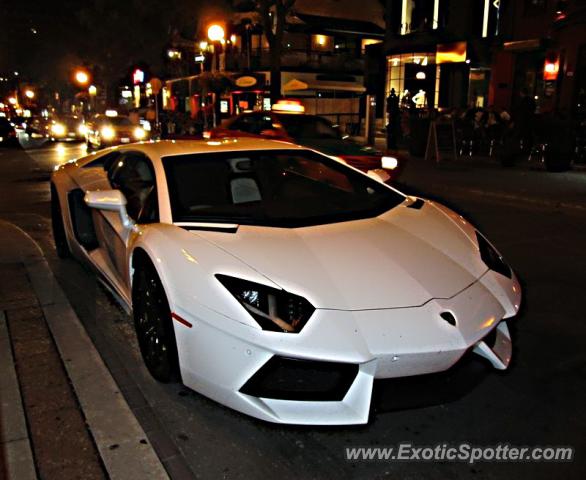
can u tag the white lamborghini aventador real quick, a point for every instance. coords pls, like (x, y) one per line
(279, 281)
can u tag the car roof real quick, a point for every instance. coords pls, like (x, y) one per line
(158, 149)
(166, 148)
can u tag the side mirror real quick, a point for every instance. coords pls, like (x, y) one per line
(379, 175)
(111, 200)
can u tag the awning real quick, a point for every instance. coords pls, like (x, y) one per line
(322, 86)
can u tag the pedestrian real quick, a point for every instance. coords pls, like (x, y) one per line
(524, 117)
(394, 120)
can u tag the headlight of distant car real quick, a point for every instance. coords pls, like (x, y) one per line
(108, 133)
(58, 129)
(139, 133)
(273, 309)
(82, 129)
(491, 258)
(389, 163)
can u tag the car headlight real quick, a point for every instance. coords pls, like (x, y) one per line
(273, 309)
(108, 133)
(491, 258)
(139, 133)
(389, 163)
(58, 129)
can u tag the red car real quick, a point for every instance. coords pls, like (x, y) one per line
(310, 131)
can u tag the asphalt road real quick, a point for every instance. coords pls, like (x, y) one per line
(538, 221)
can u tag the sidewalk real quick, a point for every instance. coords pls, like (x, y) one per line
(62, 416)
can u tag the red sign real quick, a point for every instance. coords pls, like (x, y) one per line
(551, 70)
(138, 76)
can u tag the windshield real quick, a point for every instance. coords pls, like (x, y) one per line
(69, 120)
(309, 126)
(282, 188)
(118, 121)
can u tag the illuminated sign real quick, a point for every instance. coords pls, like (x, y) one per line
(551, 70)
(451, 53)
(138, 76)
(200, 58)
(246, 81)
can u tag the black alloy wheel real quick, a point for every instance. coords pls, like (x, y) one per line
(153, 324)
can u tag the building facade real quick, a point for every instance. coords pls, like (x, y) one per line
(322, 62)
(542, 50)
(437, 53)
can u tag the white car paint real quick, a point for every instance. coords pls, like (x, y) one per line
(378, 286)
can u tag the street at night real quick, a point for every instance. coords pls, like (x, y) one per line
(539, 228)
(257, 239)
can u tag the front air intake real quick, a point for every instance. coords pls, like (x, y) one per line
(305, 380)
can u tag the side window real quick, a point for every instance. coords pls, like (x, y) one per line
(254, 123)
(132, 173)
(243, 124)
(105, 161)
(263, 122)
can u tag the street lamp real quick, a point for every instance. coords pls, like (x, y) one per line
(92, 90)
(216, 33)
(216, 37)
(30, 94)
(82, 77)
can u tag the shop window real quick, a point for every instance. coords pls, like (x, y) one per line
(322, 42)
(369, 41)
(418, 15)
(409, 74)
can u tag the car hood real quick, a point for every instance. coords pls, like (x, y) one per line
(332, 146)
(402, 258)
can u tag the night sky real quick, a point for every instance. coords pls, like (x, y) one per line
(44, 40)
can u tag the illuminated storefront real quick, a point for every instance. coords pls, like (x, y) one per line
(426, 78)
(413, 75)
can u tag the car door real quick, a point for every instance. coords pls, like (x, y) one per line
(133, 174)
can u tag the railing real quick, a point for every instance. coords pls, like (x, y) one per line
(336, 61)
(349, 123)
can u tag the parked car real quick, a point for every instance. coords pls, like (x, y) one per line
(8, 135)
(288, 122)
(278, 281)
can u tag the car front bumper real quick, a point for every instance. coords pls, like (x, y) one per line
(389, 343)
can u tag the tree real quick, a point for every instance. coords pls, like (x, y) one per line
(273, 15)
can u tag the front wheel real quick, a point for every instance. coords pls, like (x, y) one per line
(154, 328)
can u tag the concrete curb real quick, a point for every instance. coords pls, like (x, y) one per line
(14, 438)
(120, 440)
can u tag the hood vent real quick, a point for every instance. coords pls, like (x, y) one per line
(449, 317)
(417, 204)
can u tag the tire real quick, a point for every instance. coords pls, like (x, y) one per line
(59, 235)
(153, 324)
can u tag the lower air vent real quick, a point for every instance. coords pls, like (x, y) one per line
(291, 379)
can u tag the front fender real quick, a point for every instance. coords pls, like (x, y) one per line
(187, 264)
